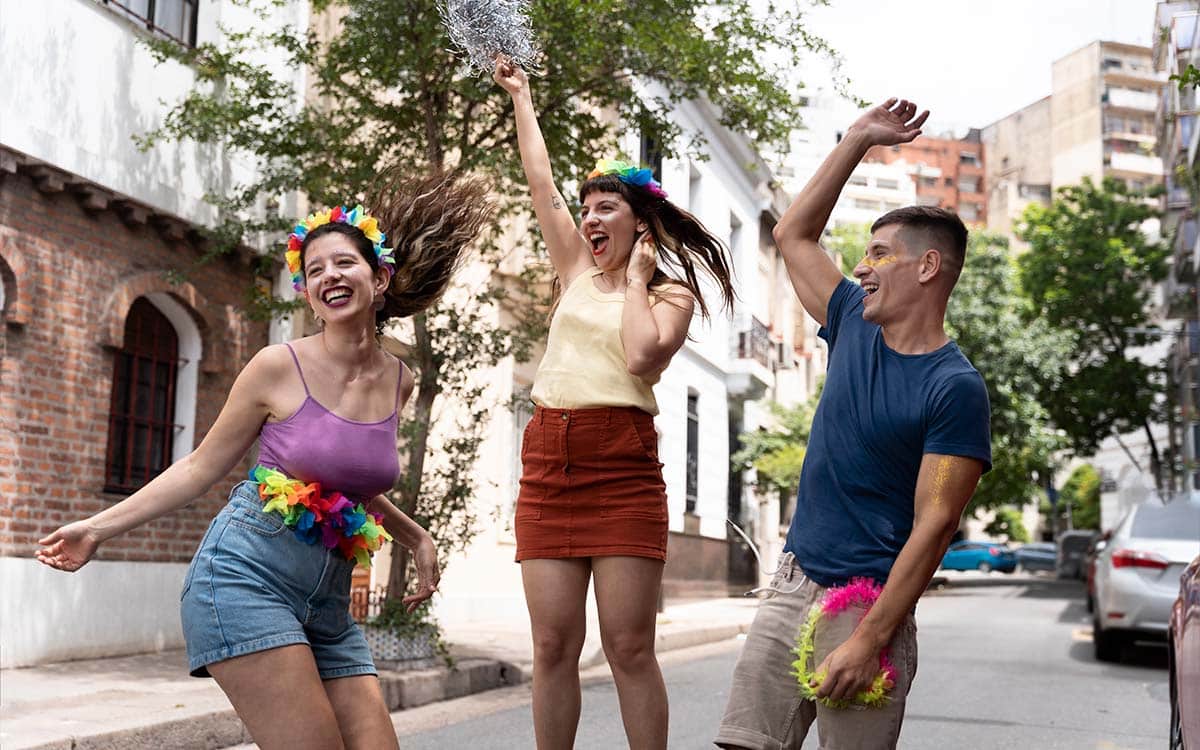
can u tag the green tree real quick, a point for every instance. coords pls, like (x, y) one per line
(1079, 497)
(1008, 523)
(1015, 358)
(1090, 272)
(384, 89)
(777, 453)
(849, 242)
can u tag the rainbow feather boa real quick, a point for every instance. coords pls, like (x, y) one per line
(630, 175)
(355, 217)
(331, 519)
(837, 600)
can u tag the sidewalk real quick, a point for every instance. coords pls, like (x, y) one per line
(149, 701)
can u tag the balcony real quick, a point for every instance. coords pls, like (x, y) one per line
(752, 370)
(1143, 101)
(1138, 163)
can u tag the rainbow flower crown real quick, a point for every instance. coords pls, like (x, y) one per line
(630, 175)
(355, 217)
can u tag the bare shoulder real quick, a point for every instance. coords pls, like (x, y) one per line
(673, 292)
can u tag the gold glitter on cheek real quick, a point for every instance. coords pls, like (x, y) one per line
(878, 262)
(940, 476)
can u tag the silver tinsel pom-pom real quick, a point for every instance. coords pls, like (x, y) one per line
(482, 29)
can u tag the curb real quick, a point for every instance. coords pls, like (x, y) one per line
(401, 690)
(221, 729)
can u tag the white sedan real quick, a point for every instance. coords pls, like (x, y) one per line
(1137, 573)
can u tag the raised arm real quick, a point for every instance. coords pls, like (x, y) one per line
(569, 252)
(798, 233)
(944, 485)
(70, 547)
(651, 334)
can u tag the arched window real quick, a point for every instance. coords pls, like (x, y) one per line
(141, 422)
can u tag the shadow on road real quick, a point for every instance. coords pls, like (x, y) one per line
(1147, 654)
(1035, 586)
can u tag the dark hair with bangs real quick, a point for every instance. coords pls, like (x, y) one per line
(431, 222)
(923, 227)
(683, 242)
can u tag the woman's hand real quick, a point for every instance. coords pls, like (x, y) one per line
(510, 76)
(428, 575)
(643, 261)
(70, 547)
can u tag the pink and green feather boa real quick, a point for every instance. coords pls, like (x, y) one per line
(837, 600)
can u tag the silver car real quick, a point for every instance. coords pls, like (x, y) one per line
(1137, 573)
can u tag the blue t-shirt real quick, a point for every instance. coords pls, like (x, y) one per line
(880, 412)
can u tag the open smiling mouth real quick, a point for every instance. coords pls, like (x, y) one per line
(599, 243)
(870, 288)
(337, 296)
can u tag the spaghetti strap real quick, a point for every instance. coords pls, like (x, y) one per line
(399, 385)
(298, 368)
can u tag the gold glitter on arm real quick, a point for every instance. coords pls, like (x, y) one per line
(940, 476)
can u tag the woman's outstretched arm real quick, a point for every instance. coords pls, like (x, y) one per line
(569, 252)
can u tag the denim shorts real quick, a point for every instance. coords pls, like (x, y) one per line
(254, 586)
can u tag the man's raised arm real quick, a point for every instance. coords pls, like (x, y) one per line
(798, 233)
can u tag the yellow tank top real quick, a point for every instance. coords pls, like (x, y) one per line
(584, 366)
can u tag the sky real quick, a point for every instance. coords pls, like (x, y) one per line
(970, 62)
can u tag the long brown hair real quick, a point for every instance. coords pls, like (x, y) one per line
(685, 245)
(431, 221)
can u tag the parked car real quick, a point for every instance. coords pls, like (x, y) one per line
(1072, 553)
(981, 556)
(1037, 556)
(1094, 549)
(1183, 648)
(1137, 573)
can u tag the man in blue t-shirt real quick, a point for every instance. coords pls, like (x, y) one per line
(898, 444)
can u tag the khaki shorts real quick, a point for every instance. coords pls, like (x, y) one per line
(766, 711)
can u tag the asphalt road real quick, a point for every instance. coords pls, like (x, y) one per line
(1005, 662)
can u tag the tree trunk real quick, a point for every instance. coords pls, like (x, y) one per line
(1155, 460)
(410, 483)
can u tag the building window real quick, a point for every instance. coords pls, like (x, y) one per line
(141, 422)
(866, 204)
(1112, 63)
(175, 19)
(885, 184)
(968, 185)
(522, 411)
(651, 154)
(693, 451)
(857, 179)
(968, 212)
(968, 158)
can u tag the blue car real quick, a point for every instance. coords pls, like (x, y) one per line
(981, 556)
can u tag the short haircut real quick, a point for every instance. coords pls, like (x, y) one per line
(923, 227)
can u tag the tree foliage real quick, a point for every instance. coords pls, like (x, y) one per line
(384, 89)
(1090, 272)
(1016, 358)
(849, 242)
(776, 453)
(1079, 499)
(1008, 523)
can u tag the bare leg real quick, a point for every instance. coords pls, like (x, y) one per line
(627, 600)
(362, 715)
(279, 697)
(556, 593)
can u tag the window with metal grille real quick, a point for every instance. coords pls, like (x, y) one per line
(141, 421)
(693, 450)
(175, 19)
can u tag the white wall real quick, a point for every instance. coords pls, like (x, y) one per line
(78, 87)
(48, 615)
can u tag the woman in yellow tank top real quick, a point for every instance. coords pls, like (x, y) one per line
(593, 504)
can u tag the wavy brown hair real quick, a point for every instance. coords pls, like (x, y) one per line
(431, 222)
(685, 245)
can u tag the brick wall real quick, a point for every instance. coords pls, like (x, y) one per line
(71, 266)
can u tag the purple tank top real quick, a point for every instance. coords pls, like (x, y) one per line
(358, 459)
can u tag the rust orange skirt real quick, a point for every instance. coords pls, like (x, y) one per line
(591, 485)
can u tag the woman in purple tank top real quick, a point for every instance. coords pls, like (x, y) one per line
(265, 602)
